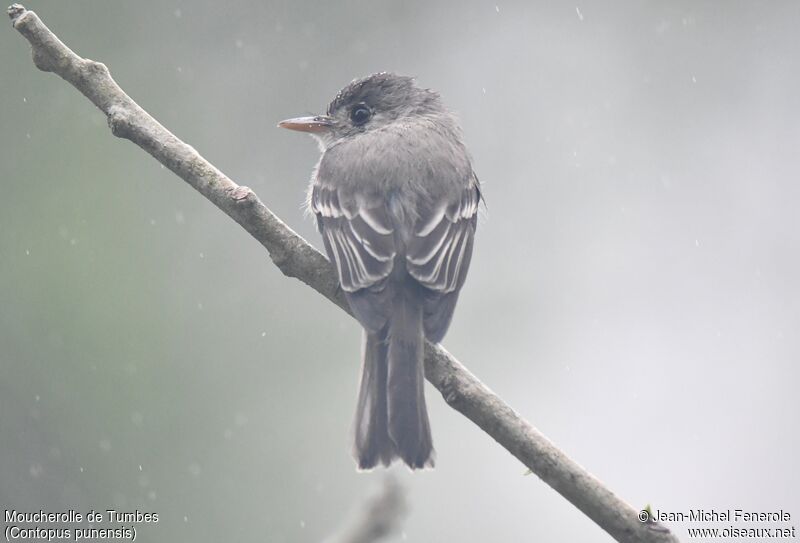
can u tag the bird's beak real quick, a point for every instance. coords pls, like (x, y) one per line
(320, 123)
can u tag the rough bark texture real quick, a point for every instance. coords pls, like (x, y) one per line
(297, 258)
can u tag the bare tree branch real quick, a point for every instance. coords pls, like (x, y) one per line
(377, 518)
(296, 258)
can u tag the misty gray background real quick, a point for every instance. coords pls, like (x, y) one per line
(634, 293)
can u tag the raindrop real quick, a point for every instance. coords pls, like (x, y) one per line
(178, 13)
(578, 11)
(497, 9)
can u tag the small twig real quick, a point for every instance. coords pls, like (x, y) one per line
(377, 518)
(296, 258)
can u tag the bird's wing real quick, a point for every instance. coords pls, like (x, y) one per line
(358, 236)
(439, 252)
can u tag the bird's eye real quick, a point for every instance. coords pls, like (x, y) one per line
(360, 114)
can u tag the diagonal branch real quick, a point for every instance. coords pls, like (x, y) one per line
(296, 258)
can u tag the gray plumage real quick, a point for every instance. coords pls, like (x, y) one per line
(396, 203)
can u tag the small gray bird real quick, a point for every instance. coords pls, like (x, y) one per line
(396, 202)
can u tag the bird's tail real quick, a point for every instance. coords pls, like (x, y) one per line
(409, 427)
(372, 443)
(391, 417)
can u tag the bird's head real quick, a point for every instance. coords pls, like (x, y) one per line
(367, 104)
